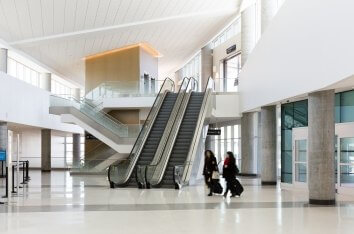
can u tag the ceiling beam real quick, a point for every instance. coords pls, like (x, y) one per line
(119, 26)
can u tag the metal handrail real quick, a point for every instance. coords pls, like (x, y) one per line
(168, 142)
(132, 164)
(100, 112)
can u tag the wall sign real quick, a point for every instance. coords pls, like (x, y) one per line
(214, 132)
(2, 155)
(89, 136)
(231, 49)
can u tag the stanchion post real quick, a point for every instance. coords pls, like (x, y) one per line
(27, 170)
(13, 179)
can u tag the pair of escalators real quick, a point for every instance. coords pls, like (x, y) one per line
(166, 141)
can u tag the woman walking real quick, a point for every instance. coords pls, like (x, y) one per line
(230, 171)
(210, 167)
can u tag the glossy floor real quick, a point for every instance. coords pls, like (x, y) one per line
(58, 203)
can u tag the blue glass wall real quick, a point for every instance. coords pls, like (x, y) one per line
(344, 107)
(293, 115)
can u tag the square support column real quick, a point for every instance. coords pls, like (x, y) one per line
(248, 159)
(269, 146)
(46, 147)
(76, 150)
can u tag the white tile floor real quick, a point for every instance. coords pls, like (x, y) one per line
(59, 203)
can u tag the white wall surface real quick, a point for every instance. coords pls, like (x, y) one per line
(26, 104)
(308, 46)
(148, 64)
(30, 148)
(219, 53)
(128, 102)
(226, 105)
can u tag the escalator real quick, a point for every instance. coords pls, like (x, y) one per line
(184, 138)
(123, 173)
(151, 143)
(182, 143)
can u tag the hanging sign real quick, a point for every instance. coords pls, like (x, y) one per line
(214, 132)
(231, 49)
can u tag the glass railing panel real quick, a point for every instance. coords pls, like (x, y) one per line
(226, 84)
(99, 116)
(114, 89)
(120, 173)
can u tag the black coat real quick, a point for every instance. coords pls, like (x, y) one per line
(210, 165)
(230, 171)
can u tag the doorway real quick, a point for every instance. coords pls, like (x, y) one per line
(231, 69)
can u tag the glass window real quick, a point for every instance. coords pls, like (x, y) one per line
(347, 106)
(337, 108)
(300, 114)
(347, 150)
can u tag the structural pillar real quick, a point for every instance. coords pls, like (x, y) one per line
(76, 150)
(3, 60)
(206, 56)
(77, 93)
(46, 81)
(46, 148)
(321, 148)
(268, 10)
(269, 146)
(248, 145)
(248, 29)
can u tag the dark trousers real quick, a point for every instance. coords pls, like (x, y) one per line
(228, 185)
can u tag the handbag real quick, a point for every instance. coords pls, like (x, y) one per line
(215, 175)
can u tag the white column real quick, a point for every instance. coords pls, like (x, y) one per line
(77, 93)
(206, 65)
(46, 81)
(268, 11)
(3, 60)
(248, 32)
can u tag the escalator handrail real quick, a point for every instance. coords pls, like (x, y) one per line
(183, 104)
(110, 118)
(207, 93)
(166, 137)
(132, 165)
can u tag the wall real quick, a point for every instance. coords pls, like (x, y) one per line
(30, 147)
(219, 53)
(122, 65)
(302, 50)
(26, 104)
(126, 116)
(148, 64)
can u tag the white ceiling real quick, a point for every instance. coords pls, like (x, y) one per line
(59, 33)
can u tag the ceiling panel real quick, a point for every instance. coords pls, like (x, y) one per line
(60, 33)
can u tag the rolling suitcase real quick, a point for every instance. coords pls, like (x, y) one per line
(236, 187)
(217, 188)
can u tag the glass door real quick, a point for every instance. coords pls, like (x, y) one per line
(346, 162)
(300, 157)
(300, 161)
